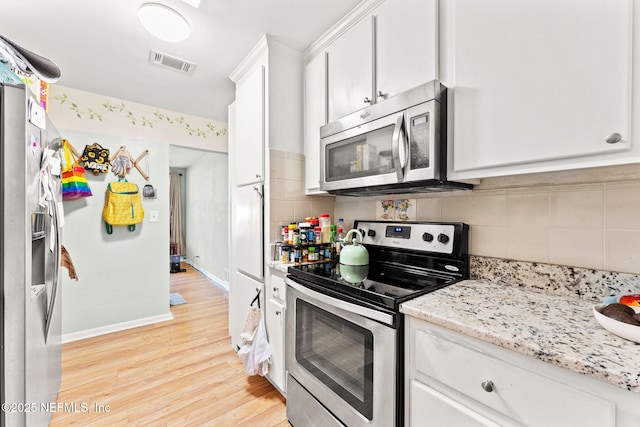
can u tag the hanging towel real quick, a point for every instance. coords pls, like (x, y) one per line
(255, 356)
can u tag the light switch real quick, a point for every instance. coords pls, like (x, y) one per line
(153, 216)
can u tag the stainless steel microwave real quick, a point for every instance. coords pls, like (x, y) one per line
(395, 146)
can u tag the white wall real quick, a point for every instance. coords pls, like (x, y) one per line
(207, 218)
(124, 276)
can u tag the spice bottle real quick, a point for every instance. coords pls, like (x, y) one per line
(317, 232)
(290, 236)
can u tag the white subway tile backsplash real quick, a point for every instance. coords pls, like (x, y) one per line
(580, 247)
(489, 209)
(429, 209)
(527, 243)
(488, 241)
(576, 207)
(622, 250)
(582, 225)
(528, 209)
(622, 206)
(457, 208)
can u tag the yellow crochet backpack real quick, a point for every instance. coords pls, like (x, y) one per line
(122, 205)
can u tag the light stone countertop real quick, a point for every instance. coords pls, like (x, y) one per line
(553, 328)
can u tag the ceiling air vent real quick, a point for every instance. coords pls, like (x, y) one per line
(171, 62)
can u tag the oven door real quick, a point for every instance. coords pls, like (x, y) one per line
(344, 355)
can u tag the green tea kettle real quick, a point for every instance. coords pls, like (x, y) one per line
(354, 253)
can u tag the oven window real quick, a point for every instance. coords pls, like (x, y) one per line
(338, 353)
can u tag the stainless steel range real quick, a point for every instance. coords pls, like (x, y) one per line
(344, 334)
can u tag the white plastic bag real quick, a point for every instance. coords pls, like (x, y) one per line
(255, 356)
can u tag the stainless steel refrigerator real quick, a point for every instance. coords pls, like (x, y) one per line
(30, 257)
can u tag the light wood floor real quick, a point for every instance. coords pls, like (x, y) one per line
(181, 372)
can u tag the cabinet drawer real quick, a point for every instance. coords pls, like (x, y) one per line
(521, 395)
(277, 288)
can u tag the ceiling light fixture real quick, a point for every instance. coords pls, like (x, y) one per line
(194, 3)
(164, 22)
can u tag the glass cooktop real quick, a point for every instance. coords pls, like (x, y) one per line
(378, 284)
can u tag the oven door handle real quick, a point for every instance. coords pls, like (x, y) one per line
(379, 316)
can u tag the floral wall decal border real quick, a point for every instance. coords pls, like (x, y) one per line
(138, 120)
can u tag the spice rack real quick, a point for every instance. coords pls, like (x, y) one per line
(304, 253)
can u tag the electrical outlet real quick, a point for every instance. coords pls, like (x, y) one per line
(153, 216)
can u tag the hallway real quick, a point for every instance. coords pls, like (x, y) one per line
(181, 372)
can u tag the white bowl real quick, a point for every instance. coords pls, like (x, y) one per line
(621, 329)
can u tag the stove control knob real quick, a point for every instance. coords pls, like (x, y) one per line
(371, 233)
(443, 238)
(427, 237)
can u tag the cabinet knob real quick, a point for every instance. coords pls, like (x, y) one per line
(614, 138)
(367, 100)
(278, 313)
(258, 176)
(275, 289)
(487, 386)
(382, 95)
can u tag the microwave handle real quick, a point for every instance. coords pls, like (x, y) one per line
(397, 139)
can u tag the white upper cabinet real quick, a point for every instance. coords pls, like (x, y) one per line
(350, 70)
(315, 116)
(389, 49)
(406, 45)
(249, 138)
(539, 85)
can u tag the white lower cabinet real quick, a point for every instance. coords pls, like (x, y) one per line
(441, 410)
(275, 311)
(455, 380)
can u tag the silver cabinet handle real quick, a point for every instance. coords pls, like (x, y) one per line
(382, 95)
(614, 138)
(367, 100)
(487, 386)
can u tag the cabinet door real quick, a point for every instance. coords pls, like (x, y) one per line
(350, 67)
(242, 290)
(275, 312)
(440, 410)
(249, 138)
(538, 81)
(247, 226)
(315, 115)
(406, 45)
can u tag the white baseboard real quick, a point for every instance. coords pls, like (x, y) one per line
(218, 282)
(89, 333)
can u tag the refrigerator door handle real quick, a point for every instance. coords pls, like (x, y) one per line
(56, 269)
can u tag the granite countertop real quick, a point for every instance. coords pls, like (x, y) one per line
(556, 329)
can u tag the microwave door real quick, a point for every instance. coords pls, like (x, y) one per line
(423, 142)
(363, 156)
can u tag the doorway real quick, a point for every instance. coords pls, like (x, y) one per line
(204, 209)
